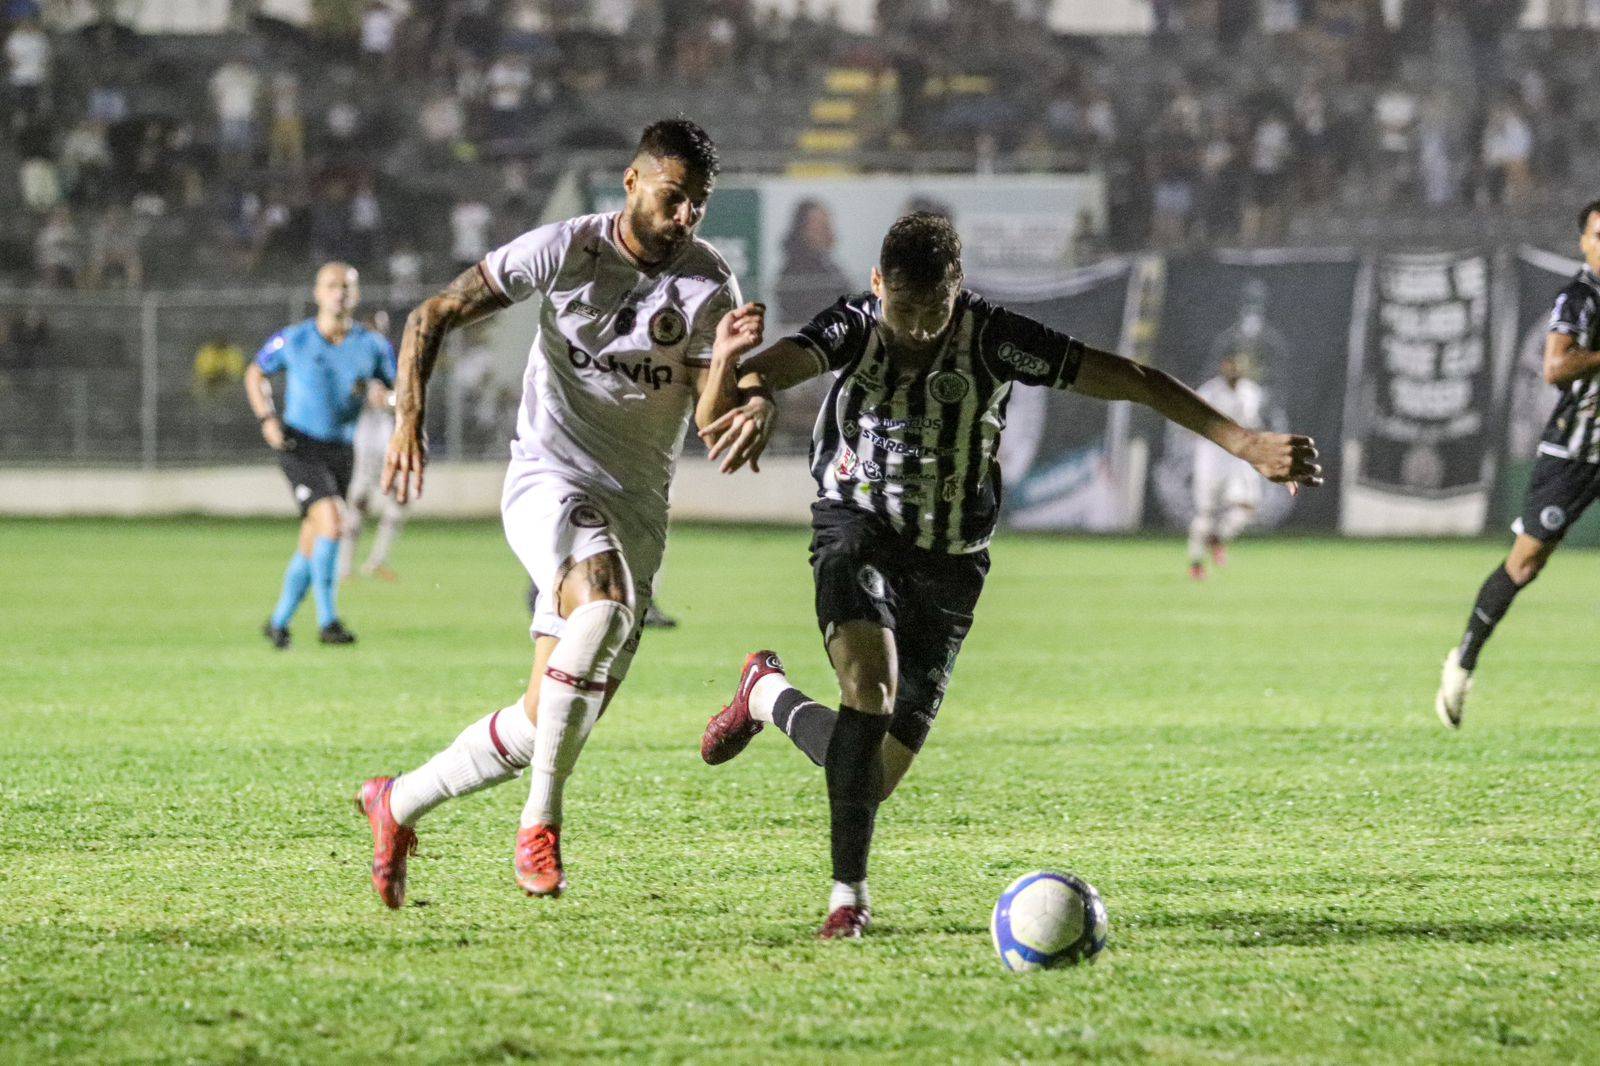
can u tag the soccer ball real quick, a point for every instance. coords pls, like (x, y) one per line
(1048, 919)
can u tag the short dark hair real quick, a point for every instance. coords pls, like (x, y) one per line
(678, 138)
(1583, 216)
(922, 250)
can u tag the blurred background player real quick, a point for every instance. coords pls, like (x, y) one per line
(1227, 489)
(904, 459)
(366, 498)
(327, 363)
(1566, 472)
(640, 327)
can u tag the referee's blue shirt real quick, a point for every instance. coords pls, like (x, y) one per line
(325, 383)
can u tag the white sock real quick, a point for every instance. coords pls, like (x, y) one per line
(1233, 522)
(765, 695)
(571, 694)
(1199, 535)
(493, 749)
(848, 894)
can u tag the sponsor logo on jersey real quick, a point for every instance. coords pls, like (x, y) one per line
(847, 464)
(949, 386)
(1024, 361)
(641, 372)
(915, 425)
(953, 488)
(668, 327)
(889, 444)
(578, 307)
(833, 335)
(1552, 517)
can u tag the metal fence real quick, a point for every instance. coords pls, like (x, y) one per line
(116, 377)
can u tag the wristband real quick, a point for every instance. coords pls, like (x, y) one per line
(264, 419)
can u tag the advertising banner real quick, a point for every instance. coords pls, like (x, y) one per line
(1055, 453)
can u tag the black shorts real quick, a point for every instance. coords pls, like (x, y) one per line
(1558, 494)
(865, 571)
(316, 469)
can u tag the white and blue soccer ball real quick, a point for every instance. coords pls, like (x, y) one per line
(1046, 919)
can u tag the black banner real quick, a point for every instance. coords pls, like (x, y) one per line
(1287, 314)
(1426, 382)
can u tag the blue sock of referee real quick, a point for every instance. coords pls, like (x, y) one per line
(325, 579)
(296, 580)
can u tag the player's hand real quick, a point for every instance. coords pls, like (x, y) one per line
(272, 433)
(1287, 458)
(741, 435)
(403, 463)
(740, 331)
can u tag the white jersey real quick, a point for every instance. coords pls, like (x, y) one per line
(607, 394)
(1246, 404)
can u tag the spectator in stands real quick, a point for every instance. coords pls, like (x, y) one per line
(405, 264)
(58, 251)
(366, 221)
(85, 160)
(286, 140)
(1507, 155)
(469, 232)
(1395, 112)
(27, 51)
(1266, 213)
(380, 27)
(508, 80)
(114, 258)
(37, 176)
(234, 89)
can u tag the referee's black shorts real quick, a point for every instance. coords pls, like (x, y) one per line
(316, 469)
(1558, 494)
(865, 571)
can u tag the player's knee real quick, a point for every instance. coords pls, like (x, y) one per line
(594, 633)
(866, 686)
(1525, 570)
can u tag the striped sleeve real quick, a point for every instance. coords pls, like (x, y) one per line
(837, 335)
(1573, 314)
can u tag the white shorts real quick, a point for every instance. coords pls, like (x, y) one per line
(366, 490)
(553, 523)
(1240, 488)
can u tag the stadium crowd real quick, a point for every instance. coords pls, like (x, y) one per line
(412, 135)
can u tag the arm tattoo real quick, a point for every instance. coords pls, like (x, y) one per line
(467, 299)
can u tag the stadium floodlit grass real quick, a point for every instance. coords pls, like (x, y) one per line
(1299, 862)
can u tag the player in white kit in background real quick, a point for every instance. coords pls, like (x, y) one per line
(367, 499)
(641, 325)
(1227, 490)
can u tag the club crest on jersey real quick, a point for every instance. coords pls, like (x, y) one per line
(668, 327)
(1027, 363)
(949, 386)
(587, 516)
(871, 580)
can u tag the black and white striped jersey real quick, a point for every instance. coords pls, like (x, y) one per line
(1571, 432)
(920, 451)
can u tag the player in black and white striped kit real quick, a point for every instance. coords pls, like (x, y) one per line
(904, 455)
(1566, 472)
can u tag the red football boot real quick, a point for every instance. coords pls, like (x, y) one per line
(1219, 554)
(846, 923)
(1197, 571)
(391, 841)
(731, 728)
(538, 861)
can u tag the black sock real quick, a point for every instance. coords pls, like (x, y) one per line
(854, 766)
(1493, 599)
(806, 722)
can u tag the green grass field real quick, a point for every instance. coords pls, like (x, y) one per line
(1299, 862)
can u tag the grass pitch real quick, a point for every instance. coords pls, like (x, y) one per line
(1299, 862)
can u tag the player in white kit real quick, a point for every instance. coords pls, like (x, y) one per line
(641, 325)
(367, 500)
(1227, 490)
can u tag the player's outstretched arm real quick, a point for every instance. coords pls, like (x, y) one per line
(258, 390)
(739, 422)
(468, 299)
(1287, 458)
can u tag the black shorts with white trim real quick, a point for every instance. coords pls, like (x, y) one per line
(865, 571)
(1558, 494)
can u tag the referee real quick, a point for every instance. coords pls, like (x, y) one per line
(1566, 472)
(326, 362)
